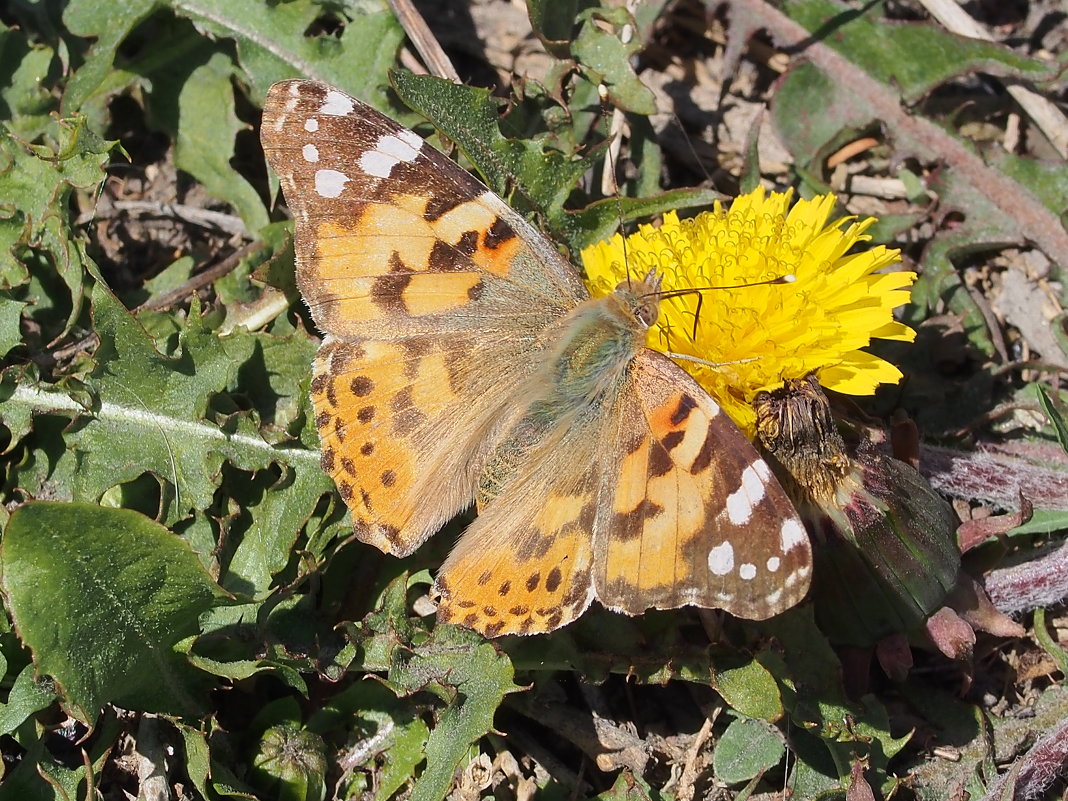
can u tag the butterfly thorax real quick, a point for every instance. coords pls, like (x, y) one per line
(580, 376)
(599, 338)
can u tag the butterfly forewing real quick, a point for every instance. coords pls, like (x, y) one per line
(431, 291)
(393, 239)
(691, 513)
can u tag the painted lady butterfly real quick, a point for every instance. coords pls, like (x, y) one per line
(464, 361)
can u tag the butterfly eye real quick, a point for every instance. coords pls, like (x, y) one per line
(647, 310)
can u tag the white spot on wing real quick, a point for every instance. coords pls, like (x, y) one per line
(773, 564)
(792, 535)
(389, 151)
(311, 125)
(721, 559)
(741, 502)
(329, 183)
(411, 138)
(336, 104)
(310, 152)
(747, 571)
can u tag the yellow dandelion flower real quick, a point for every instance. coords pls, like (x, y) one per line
(759, 336)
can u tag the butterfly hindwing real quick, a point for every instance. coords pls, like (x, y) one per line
(523, 566)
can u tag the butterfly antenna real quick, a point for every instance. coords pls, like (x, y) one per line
(788, 278)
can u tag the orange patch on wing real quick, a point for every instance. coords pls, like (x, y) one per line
(633, 479)
(434, 293)
(475, 216)
(500, 259)
(661, 509)
(537, 584)
(368, 398)
(622, 559)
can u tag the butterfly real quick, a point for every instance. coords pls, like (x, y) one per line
(464, 361)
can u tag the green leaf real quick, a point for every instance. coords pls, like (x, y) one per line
(204, 131)
(403, 753)
(273, 42)
(1043, 521)
(109, 23)
(39, 775)
(101, 597)
(36, 182)
(1046, 180)
(1056, 419)
(751, 689)
(1049, 645)
(607, 56)
(554, 22)
(390, 728)
(832, 731)
(10, 322)
(459, 666)
(748, 748)
(602, 218)
(913, 57)
(197, 760)
(145, 413)
(25, 67)
(27, 695)
(285, 40)
(148, 411)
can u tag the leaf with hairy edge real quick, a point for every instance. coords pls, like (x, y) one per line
(748, 748)
(537, 178)
(27, 695)
(36, 182)
(102, 597)
(468, 673)
(276, 41)
(10, 318)
(197, 108)
(913, 57)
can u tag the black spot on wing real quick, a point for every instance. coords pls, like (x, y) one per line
(686, 405)
(446, 258)
(387, 291)
(659, 460)
(703, 460)
(406, 417)
(439, 205)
